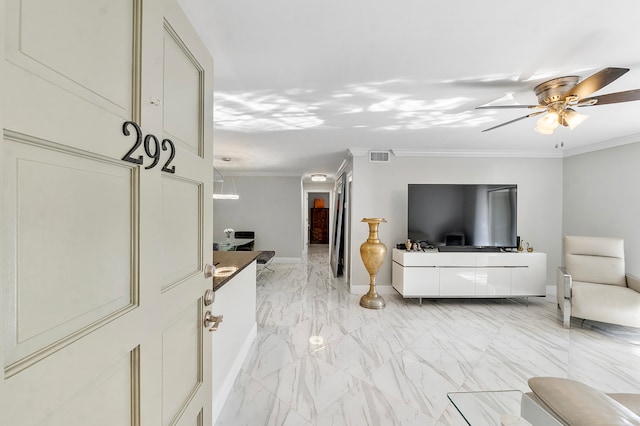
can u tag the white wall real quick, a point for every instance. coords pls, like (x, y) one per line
(380, 190)
(268, 205)
(601, 197)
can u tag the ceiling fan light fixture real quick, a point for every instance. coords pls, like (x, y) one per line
(543, 131)
(549, 120)
(547, 123)
(558, 95)
(573, 118)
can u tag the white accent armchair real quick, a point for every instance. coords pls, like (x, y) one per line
(593, 284)
(559, 401)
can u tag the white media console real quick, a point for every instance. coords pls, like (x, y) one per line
(432, 274)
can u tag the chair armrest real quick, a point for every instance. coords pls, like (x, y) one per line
(633, 282)
(564, 284)
(578, 404)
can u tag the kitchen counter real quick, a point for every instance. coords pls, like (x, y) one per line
(234, 284)
(229, 263)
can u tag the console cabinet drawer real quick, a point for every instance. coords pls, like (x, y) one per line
(416, 282)
(493, 281)
(457, 282)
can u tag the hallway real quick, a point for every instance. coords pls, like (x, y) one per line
(321, 359)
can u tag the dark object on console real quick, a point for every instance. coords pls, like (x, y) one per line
(468, 249)
(425, 244)
(216, 247)
(245, 234)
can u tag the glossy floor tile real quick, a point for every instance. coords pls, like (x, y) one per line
(321, 359)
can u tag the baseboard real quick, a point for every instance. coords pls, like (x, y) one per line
(287, 260)
(229, 380)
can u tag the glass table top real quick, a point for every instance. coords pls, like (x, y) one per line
(230, 244)
(486, 407)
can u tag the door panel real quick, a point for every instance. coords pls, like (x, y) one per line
(181, 361)
(53, 45)
(50, 225)
(183, 79)
(46, 389)
(107, 401)
(83, 28)
(182, 229)
(102, 259)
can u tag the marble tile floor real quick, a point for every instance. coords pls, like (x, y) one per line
(395, 366)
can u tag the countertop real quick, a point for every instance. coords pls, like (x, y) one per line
(235, 260)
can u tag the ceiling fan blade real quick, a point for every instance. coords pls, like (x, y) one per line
(614, 98)
(595, 82)
(533, 114)
(509, 106)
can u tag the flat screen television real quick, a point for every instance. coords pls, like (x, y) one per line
(455, 217)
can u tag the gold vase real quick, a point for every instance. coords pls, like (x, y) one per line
(372, 252)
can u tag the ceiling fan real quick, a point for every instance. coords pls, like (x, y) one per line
(557, 99)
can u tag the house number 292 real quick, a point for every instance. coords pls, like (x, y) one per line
(151, 148)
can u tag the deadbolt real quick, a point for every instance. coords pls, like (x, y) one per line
(209, 297)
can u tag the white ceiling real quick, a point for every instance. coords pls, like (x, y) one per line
(299, 82)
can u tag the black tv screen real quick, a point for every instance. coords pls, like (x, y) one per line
(468, 215)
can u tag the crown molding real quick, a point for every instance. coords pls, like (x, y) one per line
(361, 152)
(611, 143)
(477, 154)
(358, 152)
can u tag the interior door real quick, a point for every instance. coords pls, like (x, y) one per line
(101, 258)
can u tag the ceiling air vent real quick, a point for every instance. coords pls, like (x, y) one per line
(379, 156)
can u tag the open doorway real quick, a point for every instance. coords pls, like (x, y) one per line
(316, 202)
(318, 214)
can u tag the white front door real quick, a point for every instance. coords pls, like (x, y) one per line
(102, 259)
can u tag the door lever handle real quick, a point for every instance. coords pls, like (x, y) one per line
(212, 320)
